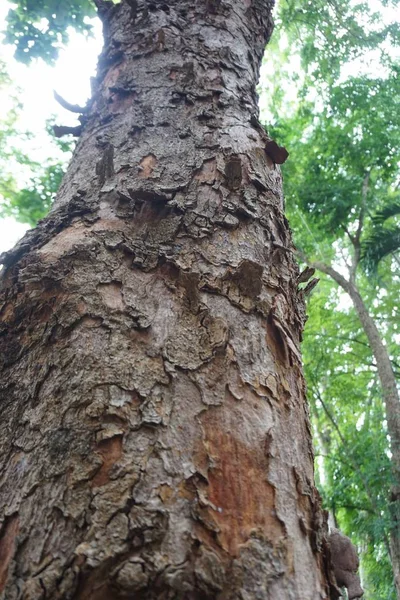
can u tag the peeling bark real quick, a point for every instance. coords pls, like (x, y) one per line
(156, 437)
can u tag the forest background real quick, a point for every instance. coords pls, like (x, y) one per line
(329, 93)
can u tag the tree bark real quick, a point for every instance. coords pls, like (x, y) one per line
(391, 400)
(155, 432)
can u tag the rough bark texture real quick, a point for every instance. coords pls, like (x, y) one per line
(155, 432)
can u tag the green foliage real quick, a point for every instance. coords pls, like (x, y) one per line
(33, 202)
(351, 442)
(26, 203)
(341, 187)
(378, 577)
(383, 239)
(38, 28)
(357, 131)
(329, 33)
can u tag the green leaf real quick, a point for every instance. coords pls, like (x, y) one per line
(39, 28)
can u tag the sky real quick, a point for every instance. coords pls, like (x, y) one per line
(70, 78)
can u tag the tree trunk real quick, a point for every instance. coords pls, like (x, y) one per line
(392, 409)
(155, 433)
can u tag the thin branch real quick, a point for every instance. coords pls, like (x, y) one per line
(302, 218)
(336, 276)
(71, 107)
(61, 130)
(368, 406)
(396, 258)
(338, 337)
(344, 258)
(374, 506)
(355, 507)
(357, 237)
(335, 459)
(364, 194)
(347, 373)
(355, 465)
(350, 236)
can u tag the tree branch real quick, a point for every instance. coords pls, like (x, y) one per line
(357, 237)
(60, 130)
(364, 194)
(336, 276)
(350, 236)
(338, 337)
(355, 465)
(71, 107)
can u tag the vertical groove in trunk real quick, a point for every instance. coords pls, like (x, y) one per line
(156, 440)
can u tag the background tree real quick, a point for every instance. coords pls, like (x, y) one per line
(352, 450)
(343, 135)
(30, 202)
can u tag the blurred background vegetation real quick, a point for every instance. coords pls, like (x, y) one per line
(332, 98)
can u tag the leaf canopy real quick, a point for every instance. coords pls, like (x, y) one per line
(39, 28)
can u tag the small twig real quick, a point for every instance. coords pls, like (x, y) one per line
(281, 247)
(302, 218)
(60, 130)
(357, 237)
(336, 276)
(350, 236)
(310, 286)
(305, 275)
(345, 446)
(364, 194)
(75, 108)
